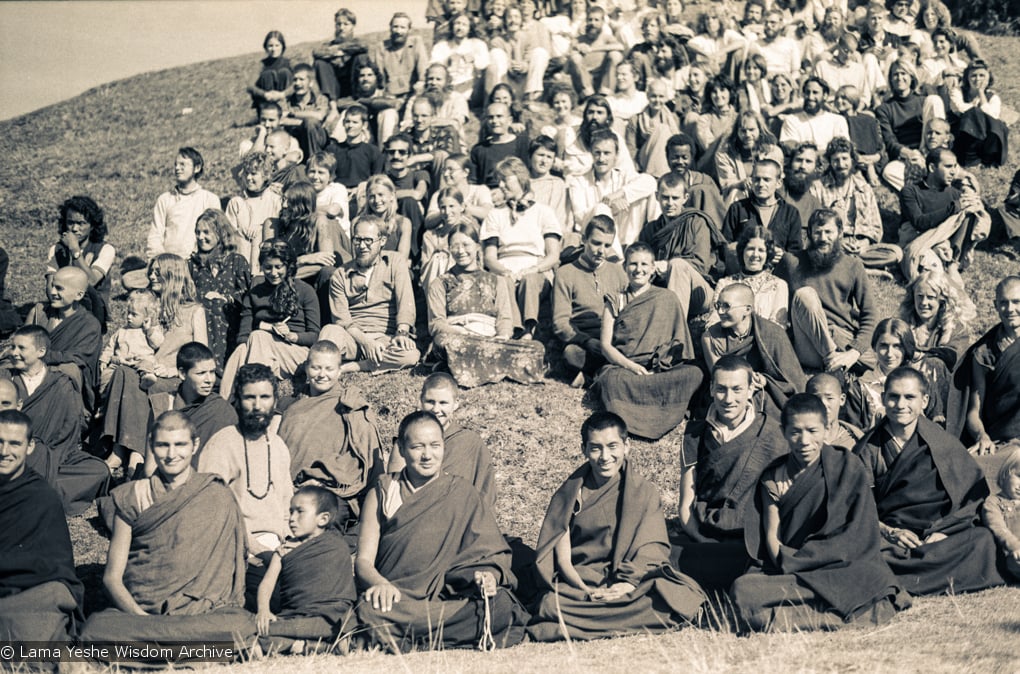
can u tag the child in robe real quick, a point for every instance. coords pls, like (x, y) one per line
(838, 433)
(1001, 512)
(135, 344)
(315, 575)
(467, 455)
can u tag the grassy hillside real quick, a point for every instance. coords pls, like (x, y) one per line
(117, 143)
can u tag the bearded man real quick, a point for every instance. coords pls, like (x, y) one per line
(832, 310)
(797, 182)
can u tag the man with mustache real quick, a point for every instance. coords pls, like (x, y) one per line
(798, 180)
(832, 310)
(813, 123)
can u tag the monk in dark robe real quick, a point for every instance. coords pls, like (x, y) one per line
(603, 553)
(195, 397)
(990, 376)
(40, 595)
(176, 566)
(432, 562)
(764, 344)
(466, 454)
(929, 492)
(77, 477)
(649, 380)
(48, 397)
(76, 336)
(702, 192)
(682, 241)
(331, 435)
(814, 538)
(723, 456)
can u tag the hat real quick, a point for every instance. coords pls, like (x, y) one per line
(134, 273)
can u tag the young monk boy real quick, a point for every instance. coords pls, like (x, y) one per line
(432, 562)
(466, 455)
(315, 575)
(814, 538)
(604, 541)
(838, 433)
(48, 396)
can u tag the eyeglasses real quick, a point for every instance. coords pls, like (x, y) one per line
(724, 307)
(365, 241)
(398, 152)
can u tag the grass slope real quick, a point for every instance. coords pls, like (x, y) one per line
(117, 143)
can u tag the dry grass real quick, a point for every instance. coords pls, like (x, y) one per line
(117, 142)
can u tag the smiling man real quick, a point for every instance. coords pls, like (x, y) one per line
(815, 539)
(928, 490)
(599, 584)
(372, 304)
(431, 559)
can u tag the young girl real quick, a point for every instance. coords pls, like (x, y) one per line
(173, 218)
(305, 230)
(435, 253)
(221, 277)
(1001, 512)
(279, 317)
(381, 201)
(477, 198)
(248, 211)
(277, 78)
(331, 200)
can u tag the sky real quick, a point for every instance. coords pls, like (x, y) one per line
(52, 51)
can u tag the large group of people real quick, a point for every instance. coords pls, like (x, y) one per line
(699, 243)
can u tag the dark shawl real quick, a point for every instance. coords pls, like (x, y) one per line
(727, 474)
(209, 414)
(438, 538)
(829, 535)
(934, 485)
(651, 331)
(333, 440)
(771, 354)
(55, 410)
(1000, 407)
(317, 578)
(77, 476)
(627, 515)
(187, 552)
(35, 546)
(77, 339)
(679, 237)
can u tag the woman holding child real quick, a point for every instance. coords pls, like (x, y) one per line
(184, 320)
(470, 319)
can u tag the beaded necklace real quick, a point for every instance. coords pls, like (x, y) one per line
(269, 469)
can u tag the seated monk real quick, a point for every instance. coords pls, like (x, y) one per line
(175, 570)
(649, 380)
(48, 396)
(838, 433)
(813, 535)
(929, 492)
(40, 595)
(77, 477)
(194, 398)
(762, 343)
(432, 563)
(75, 334)
(332, 436)
(990, 373)
(466, 454)
(723, 455)
(603, 553)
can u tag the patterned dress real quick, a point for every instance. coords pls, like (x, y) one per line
(228, 274)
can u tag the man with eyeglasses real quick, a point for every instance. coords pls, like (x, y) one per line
(762, 343)
(372, 304)
(412, 186)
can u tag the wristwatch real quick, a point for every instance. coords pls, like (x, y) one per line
(76, 254)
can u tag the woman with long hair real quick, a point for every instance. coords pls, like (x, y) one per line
(127, 403)
(981, 137)
(279, 317)
(306, 230)
(82, 243)
(755, 249)
(381, 202)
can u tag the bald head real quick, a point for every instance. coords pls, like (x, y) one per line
(824, 383)
(9, 395)
(737, 293)
(73, 278)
